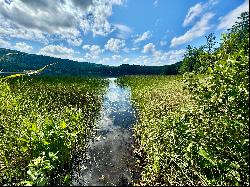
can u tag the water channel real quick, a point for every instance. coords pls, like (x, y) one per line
(108, 159)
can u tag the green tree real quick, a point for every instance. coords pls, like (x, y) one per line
(221, 117)
(210, 45)
(238, 36)
(191, 61)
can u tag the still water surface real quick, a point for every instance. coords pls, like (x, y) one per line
(108, 159)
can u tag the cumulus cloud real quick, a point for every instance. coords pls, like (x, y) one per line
(154, 57)
(159, 58)
(142, 60)
(74, 41)
(57, 51)
(146, 35)
(169, 57)
(8, 30)
(229, 20)
(116, 57)
(199, 29)
(4, 44)
(42, 20)
(115, 45)
(196, 11)
(93, 51)
(105, 60)
(22, 46)
(126, 60)
(149, 48)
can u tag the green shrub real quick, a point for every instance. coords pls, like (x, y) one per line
(221, 119)
(44, 124)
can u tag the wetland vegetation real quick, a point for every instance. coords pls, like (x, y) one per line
(191, 128)
(45, 123)
(194, 129)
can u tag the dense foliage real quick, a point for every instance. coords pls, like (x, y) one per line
(44, 124)
(199, 135)
(198, 59)
(158, 100)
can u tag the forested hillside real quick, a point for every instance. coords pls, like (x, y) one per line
(15, 61)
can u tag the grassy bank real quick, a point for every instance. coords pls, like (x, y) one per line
(44, 123)
(158, 101)
(184, 141)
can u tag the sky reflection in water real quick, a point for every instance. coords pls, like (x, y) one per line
(109, 153)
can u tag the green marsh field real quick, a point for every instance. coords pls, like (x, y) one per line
(179, 139)
(184, 137)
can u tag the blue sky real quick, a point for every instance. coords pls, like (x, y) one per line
(114, 32)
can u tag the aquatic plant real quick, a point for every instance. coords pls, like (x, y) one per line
(44, 123)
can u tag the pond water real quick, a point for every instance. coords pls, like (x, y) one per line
(108, 159)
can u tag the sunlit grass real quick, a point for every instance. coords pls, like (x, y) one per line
(44, 123)
(182, 142)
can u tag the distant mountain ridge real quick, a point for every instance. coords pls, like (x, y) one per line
(16, 61)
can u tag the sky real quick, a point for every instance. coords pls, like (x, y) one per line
(114, 32)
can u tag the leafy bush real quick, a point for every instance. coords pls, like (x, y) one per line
(221, 118)
(158, 100)
(44, 124)
(200, 137)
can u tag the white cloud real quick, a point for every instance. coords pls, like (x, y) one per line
(116, 57)
(42, 20)
(146, 35)
(172, 56)
(135, 48)
(163, 43)
(156, 3)
(5, 44)
(123, 31)
(199, 29)
(142, 60)
(22, 46)
(105, 60)
(86, 47)
(115, 45)
(93, 51)
(229, 20)
(153, 58)
(74, 41)
(196, 11)
(57, 51)
(159, 58)
(126, 49)
(126, 60)
(8, 30)
(192, 13)
(149, 48)
(78, 59)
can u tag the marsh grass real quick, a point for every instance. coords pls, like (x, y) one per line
(44, 123)
(192, 130)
